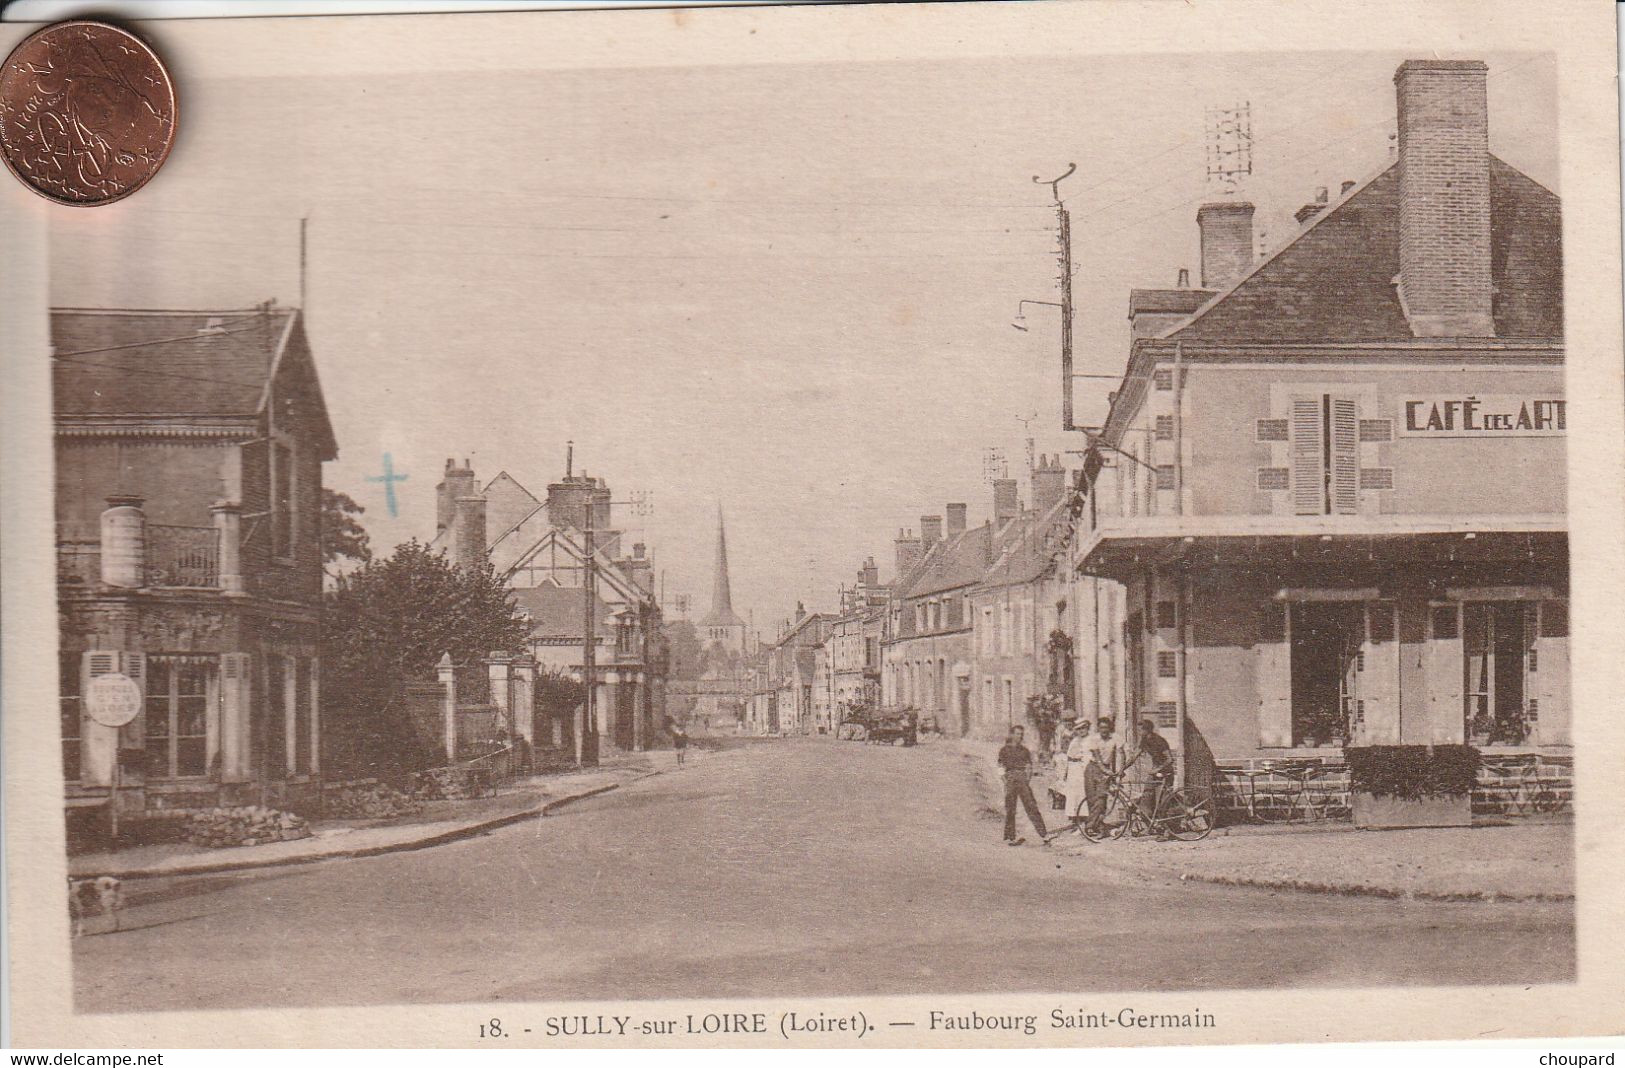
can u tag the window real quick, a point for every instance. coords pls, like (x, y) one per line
(1274, 478)
(1167, 665)
(282, 500)
(1272, 430)
(1166, 614)
(302, 715)
(1376, 478)
(1165, 428)
(71, 705)
(1165, 476)
(1376, 430)
(956, 616)
(1444, 621)
(177, 715)
(1167, 714)
(1163, 378)
(1325, 455)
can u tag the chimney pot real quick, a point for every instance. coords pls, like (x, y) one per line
(1184, 278)
(1321, 195)
(1347, 185)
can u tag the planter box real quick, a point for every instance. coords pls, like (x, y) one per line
(1380, 812)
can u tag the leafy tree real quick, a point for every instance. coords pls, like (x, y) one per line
(343, 536)
(687, 653)
(386, 625)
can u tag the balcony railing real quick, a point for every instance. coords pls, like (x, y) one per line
(183, 556)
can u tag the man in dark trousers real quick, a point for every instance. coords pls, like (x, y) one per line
(1017, 761)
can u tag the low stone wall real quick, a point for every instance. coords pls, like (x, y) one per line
(1257, 790)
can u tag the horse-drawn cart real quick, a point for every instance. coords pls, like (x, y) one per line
(881, 727)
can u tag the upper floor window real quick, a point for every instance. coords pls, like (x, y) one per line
(284, 478)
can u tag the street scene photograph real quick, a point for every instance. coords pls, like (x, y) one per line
(961, 526)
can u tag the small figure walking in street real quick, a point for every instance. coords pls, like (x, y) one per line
(679, 739)
(1017, 761)
(1105, 757)
(1080, 753)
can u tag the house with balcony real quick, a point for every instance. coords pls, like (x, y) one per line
(1328, 504)
(189, 448)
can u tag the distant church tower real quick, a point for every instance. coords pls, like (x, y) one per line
(722, 625)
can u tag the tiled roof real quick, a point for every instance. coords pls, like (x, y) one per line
(556, 611)
(1335, 280)
(164, 362)
(1026, 555)
(960, 561)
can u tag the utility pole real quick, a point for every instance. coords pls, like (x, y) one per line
(1065, 218)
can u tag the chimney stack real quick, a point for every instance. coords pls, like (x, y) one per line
(458, 482)
(1227, 242)
(1006, 506)
(1444, 198)
(468, 532)
(956, 520)
(908, 552)
(871, 574)
(1049, 483)
(930, 531)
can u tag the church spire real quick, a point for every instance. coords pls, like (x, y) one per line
(722, 607)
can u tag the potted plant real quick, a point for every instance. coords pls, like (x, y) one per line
(1394, 786)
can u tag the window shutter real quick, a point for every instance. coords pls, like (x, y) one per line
(1308, 479)
(1549, 704)
(133, 735)
(1345, 431)
(98, 744)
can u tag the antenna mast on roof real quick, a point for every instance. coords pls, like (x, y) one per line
(1229, 146)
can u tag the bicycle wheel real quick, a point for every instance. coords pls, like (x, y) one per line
(1275, 806)
(1546, 801)
(1110, 825)
(1187, 815)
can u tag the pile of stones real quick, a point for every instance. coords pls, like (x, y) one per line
(244, 825)
(367, 801)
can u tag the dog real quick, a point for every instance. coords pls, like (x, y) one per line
(102, 896)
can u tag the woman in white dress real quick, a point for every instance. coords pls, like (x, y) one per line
(1078, 753)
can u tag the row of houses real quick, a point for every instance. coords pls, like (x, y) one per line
(1326, 505)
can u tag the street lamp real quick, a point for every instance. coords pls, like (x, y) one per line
(1020, 321)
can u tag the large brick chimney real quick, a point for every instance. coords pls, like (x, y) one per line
(1444, 197)
(909, 552)
(930, 531)
(1227, 242)
(956, 520)
(1049, 483)
(458, 482)
(1006, 505)
(468, 532)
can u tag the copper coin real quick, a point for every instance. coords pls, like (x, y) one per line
(87, 112)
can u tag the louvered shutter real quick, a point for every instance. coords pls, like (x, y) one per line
(133, 735)
(1307, 455)
(235, 672)
(1551, 683)
(98, 745)
(1345, 431)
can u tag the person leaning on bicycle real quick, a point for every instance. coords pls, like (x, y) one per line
(1160, 778)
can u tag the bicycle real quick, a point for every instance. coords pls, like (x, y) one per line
(1303, 801)
(1185, 814)
(1521, 786)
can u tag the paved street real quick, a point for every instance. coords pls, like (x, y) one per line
(777, 868)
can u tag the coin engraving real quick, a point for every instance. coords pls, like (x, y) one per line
(87, 112)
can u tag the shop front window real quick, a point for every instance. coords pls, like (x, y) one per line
(177, 715)
(1497, 650)
(1326, 640)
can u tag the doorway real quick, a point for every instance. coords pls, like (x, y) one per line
(1326, 662)
(1496, 638)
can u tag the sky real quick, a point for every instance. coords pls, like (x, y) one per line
(782, 289)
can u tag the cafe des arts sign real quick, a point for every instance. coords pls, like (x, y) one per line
(1482, 415)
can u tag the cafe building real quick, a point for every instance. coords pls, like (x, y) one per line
(1327, 506)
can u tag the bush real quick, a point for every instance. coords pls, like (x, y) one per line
(1412, 772)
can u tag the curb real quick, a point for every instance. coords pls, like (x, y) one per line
(454, 834)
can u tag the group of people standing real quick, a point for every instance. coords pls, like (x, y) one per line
(1086, 756)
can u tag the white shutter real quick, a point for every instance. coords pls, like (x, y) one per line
(1550, 683)
(1274, 668)
(1345, 431)
(98, 745)
(1307, 457)
(235, 673)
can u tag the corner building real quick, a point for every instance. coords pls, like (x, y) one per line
(1330, 505)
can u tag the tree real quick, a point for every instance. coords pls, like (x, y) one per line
(387, 624)
(343, 536)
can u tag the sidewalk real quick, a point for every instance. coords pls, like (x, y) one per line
(1500, 860)
(438, 822)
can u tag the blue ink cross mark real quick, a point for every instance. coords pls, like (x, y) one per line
(388, 478)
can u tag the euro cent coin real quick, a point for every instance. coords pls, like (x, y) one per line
(87, 112)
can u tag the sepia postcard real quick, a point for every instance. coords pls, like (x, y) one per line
(1051, 524)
